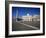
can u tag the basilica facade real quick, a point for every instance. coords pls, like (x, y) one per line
(31, 18)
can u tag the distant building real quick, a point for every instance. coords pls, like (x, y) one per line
(30, 17)
(27, 18)
(36, 18)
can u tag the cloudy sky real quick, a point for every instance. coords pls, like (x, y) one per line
(24, 10)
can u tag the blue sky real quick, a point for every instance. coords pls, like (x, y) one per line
(24, 10)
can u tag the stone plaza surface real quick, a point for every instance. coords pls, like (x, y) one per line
(26, 25)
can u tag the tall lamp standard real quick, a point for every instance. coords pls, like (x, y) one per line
(16, 14)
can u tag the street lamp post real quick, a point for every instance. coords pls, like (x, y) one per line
(16, 15)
